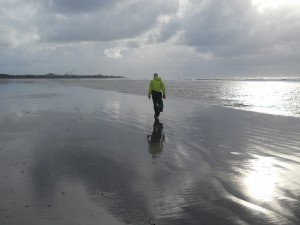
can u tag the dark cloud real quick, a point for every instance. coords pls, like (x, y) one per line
(109, 22)
(237, 28)
(212, 24)
(79, 6)
(168, 31)
(218, 24)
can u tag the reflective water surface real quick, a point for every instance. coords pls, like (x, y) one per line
(74, 155)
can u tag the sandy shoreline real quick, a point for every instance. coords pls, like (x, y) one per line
(73, 155)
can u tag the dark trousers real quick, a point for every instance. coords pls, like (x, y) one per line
(157, 103)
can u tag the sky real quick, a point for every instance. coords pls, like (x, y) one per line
(136, 38)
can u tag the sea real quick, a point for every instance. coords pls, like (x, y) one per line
(276, 96)
(269, 95)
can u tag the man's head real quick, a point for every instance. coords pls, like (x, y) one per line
(155, 75)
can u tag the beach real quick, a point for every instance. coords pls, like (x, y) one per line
(74, 154)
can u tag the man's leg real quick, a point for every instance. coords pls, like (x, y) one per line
(155, 98)
(160, 103)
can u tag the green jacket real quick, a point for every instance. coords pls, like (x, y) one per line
(156, 85)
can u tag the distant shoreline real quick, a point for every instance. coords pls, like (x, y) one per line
(55, 76)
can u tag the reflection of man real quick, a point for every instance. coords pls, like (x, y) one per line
(156, 139)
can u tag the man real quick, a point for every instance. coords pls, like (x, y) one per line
(158, 91)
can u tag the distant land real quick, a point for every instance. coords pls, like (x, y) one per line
(56, 76)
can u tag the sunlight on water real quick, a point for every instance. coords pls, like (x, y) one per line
(261, 181)
(276, 98)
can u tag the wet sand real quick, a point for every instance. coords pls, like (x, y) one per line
(74, 155)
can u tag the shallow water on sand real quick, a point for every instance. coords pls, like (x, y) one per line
(74, 155)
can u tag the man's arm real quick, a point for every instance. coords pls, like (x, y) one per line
(163, 88)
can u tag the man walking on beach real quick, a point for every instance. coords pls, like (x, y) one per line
(158, 91)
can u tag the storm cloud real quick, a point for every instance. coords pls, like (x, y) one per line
(133, 38)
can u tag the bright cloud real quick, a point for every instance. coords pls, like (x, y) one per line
(265, 4)
(113, 53)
